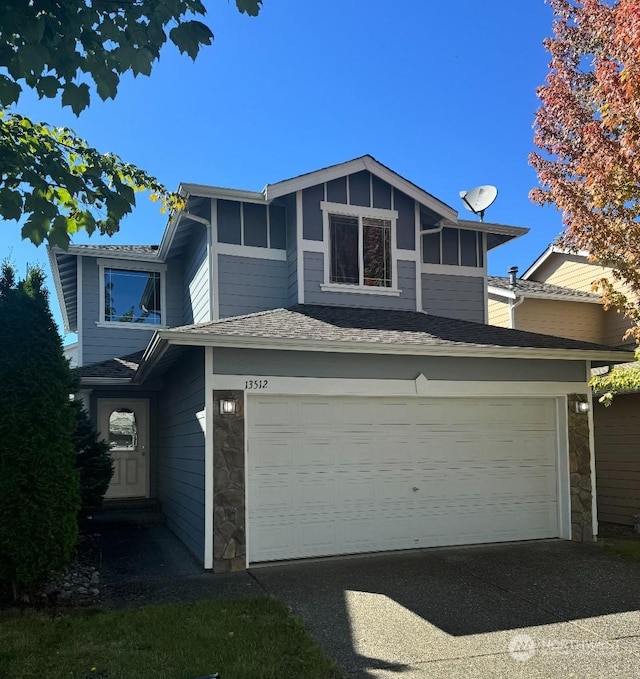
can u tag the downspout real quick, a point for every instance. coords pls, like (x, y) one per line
(516, 301)
(513, 305)
(207, 224)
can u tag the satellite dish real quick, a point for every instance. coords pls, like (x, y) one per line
(479, 199)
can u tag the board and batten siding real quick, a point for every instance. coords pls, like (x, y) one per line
(314, 278)
(195, 288)
(181, 450)
(617, 444)
(292, 249)
(250, 284)
(498, 311)
(364, 190)
(454, 296)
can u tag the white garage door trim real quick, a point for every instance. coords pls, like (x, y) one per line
(530, 389)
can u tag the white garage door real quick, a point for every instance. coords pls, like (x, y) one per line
(341, 475)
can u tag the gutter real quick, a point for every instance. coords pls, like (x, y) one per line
(472, 350)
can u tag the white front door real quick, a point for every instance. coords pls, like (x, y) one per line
(340, 475)
(124, 424)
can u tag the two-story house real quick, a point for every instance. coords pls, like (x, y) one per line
(555, 296)
(307, 371)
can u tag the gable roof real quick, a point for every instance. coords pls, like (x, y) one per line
(551, 250)
(307, 327)
(366, 162)
(501, 286)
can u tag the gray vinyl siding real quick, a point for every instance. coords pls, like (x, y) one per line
(377, 366)
(248, 284)
(314, 278)
(195, 289)
(454, 296)
(292, 250)
(101, 343)
(181, 450)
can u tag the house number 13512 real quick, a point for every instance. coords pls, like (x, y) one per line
(256, 384)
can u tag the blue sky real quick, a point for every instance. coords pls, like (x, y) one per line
(442, 92)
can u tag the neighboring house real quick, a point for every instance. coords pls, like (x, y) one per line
(554, 296)
(307, 371)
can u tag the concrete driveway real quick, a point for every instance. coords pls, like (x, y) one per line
(543, 609)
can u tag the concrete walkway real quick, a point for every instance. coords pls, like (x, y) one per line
(545, 609)
(143, 562)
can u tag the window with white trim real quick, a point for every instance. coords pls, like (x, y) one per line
(132, 294)
(360, 253)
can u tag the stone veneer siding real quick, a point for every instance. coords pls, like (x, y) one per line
(229, 535)
(580, 472)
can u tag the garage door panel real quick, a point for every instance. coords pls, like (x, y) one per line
(332, 475)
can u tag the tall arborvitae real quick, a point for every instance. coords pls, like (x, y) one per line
(39, 490)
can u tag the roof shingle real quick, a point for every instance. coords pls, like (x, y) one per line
(536, 288)
(349, 325)
(122, 367)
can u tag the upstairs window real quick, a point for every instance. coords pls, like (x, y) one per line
(133, 296)
(360, 251)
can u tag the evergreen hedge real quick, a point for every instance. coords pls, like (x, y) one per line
(39, 490)
(93, 460)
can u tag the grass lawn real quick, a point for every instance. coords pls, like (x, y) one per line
(626, 548)
(245, 639)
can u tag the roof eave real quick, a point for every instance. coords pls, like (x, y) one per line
(515, 293)
(55, 272)
(470, 350)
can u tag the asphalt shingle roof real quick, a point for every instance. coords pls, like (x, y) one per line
(345, 324)
(138, 249)
(538, 288)
(122, 367)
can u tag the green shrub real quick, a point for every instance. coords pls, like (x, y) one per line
(39, 490)
(93, 461)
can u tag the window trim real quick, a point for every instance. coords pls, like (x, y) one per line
(146, 267)
(343, 210)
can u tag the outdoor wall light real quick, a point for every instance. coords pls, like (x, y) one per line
(227, 406)
(581, 407)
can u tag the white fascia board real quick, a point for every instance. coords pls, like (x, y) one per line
(57, 283)
(369, 163)
(489, 227)
(517, 293)
(539, 261)
(203, 191)
(110, 254)
(551, 250)
(169, 233)
(465, 350)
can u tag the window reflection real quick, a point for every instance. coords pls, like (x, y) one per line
(123, 430)
(132, 296)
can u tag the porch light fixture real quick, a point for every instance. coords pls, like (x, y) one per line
(227, 406)
(581, 407)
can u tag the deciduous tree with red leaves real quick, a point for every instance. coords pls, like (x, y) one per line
(587, 131)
